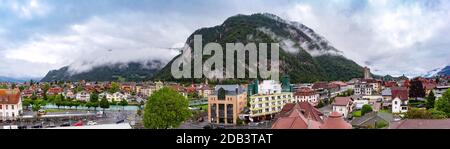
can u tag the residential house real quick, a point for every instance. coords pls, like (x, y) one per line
(305, 94)
(370, 120)
(400, 99)
(117, 96)
(10, 104)
(226, 103)
(386, 94)
(363, 88)
(343, 105)
(439, 90)
(83, 96)
(54, 91)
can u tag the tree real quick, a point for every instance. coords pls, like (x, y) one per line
(430, 100)
(166, 108)
(436, 114)
(416, 89)
(94, 97)
(443, 104)
(104, 104)
(21, 88)
(114, 87)
(123, 103)
(418, 113)
(27, 103)
(36, 107)
(366, 109)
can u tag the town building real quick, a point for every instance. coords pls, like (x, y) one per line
(225, 104)
(343, 105)
(10, 104)
(301, 115)
(439, 90)
(372, 119)
(83, 96)
(306, 95)
(268, 99)
(335, 121)
(363, 88)
(399, 99)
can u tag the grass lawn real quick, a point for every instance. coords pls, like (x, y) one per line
(357, 113)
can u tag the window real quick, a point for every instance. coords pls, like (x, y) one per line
(12, 107)
(6, 107)
(1, 106)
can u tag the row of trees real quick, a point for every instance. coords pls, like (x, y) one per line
(435, 109)
(61, 101)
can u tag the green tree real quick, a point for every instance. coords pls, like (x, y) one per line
(416, 89)
(418, 113)
(166, 108)
(123, 103)
(114, 87)
(430, 100)
(443, 104)
(104, 104)
(36, 107)
(436, 114)
(21, 88)
(27, 103)
(366, 109)
(94, 97)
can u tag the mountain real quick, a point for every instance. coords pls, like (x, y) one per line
(444, 71)
(304, 55)
(133, 71)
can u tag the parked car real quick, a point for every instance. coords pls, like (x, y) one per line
(41, 112)
(79, 123)
(207, 127)
(37, 126)
(92, 123)
(120, 121)
(65, 124)
(22, 127)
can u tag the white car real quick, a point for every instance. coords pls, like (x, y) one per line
(92, 123)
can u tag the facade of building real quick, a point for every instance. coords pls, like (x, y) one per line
(439, 90)
(343, 105)
(363, 88)
(10, 104)
(306, 95)
(225, 104)
(399, 99)
(268, 100)
(82, 96)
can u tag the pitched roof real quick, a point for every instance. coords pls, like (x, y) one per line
(9, 96)
(335, 121)
(307, 110)
(421, 124)
(342, 101)
(372, 115)
(295, 120)
(400, 92)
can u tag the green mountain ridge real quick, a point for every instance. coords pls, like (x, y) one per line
(296, 60)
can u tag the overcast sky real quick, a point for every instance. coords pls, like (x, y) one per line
(391, 37)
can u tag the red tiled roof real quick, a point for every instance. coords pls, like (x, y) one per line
(421, 124)
(319, 85)
(400, 92)
(335, 121)
(304, 91)
(295, 120)
(341, 101)
(9, 96)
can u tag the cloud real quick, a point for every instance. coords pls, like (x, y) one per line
(28, 9)
(104, 40)
(395, 38)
